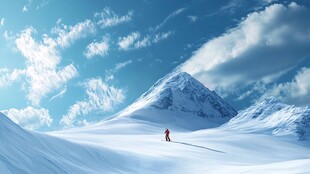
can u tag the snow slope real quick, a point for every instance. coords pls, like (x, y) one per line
(23, 151)
(213, 150)
(132, 143)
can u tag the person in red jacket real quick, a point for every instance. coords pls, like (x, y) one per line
(167, 132)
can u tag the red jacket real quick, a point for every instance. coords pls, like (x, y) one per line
(167, 132)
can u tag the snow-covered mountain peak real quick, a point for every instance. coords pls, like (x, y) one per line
(172, 82)
(273, 116)
(181, 94)
(271, 100)
(178, 81)
(264, 108)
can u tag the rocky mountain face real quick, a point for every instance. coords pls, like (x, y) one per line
(180, 93)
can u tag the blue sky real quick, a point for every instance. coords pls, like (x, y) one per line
(72, 63)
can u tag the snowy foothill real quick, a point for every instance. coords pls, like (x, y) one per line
(208, 136)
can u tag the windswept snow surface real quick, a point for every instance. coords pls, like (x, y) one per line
(23, 151)
(135, 146)
(215, 150)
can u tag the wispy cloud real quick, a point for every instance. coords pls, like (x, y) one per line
(37, 4)
(1, 22)
(8, 35)
(170, 16)
(143, 43)
(29, 117)
(42, 4)
(42, 72)
(110, 73)
(59, 20)
(69, 34)
(192, 18)
(263, 47)
(121, 65)
(60, 94)
(107, 18)
(27, 6)
(7, 76)
(25, 9)
(100, 98)
(97, 48)
(231, 6)
(162, 36)
(126, 42)
(134, 41)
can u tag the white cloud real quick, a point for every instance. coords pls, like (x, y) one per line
(142, 43)
(7, 76)
(170, 16)
(29, 117)
(110, 73)
(107, 18)
(27, 6)
(121, 65)
(97, 48)
(60, 94)
(1, 22)
(232, 6)
(42, 4)
(126, 42)
(25, 9)
(100, 98)
(133, 41)
(59, 20)
(297, 91)
(42, 72)
(69, 34)
(263, 47)
(7, 35)
(162, 36)
(192, 18)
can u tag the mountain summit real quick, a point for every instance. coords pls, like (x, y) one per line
(181, 100)
(272, 116)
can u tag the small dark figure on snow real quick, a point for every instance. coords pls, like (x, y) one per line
(167, 132)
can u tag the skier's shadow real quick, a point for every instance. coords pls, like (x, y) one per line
(193, 145)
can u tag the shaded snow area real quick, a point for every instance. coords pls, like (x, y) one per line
(207, 137)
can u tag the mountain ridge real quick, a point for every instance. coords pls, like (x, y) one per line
(272, 116)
